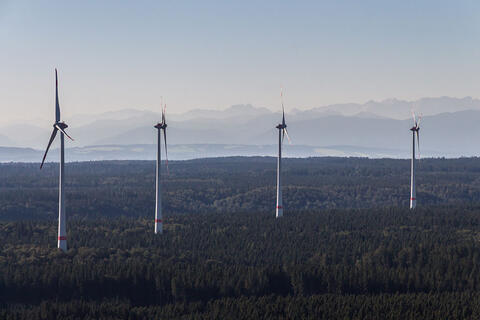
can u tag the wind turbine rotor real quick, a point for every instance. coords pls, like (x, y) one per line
(58, 127)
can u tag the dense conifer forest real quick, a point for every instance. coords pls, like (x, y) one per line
(348, 247)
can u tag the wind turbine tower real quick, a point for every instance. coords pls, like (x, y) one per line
(282, 131)
(158, 203)
(59, 126)
(415, 131)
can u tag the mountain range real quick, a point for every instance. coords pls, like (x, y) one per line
(376, 129)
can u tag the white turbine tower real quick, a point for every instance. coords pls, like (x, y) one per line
(59, 126)
(282, 131)
(415, 131)
(158, 203)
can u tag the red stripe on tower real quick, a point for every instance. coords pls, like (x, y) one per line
(62, 238)
(413, 198)
(279, 207)
(158, 220)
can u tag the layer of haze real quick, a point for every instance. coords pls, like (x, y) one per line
(113, 55)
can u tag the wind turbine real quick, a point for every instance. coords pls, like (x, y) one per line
(59, 126)
(282, 131)
(415, 131)
(158, 203)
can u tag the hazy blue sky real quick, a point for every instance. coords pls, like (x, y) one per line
(211, 54)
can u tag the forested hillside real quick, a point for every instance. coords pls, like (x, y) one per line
(126, 188)
(348, 247)
(324, 264)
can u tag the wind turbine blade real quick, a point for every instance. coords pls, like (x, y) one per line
(414, 118)
(57, 104)
(288, 137)
(164, 121)
(164, 111)
(419, 119)
(283, 108)
(63, 131)
(52, 137)
(166, 148)
(418, 143)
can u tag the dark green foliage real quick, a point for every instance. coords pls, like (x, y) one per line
(321, 263)
(211, 263)
(115, 188)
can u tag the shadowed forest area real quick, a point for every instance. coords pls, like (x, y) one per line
(348, 247)
(235, 185)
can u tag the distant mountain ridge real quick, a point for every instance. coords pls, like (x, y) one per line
(234, 111)
(373, 125)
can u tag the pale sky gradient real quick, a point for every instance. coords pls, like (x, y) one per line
(113, 55)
